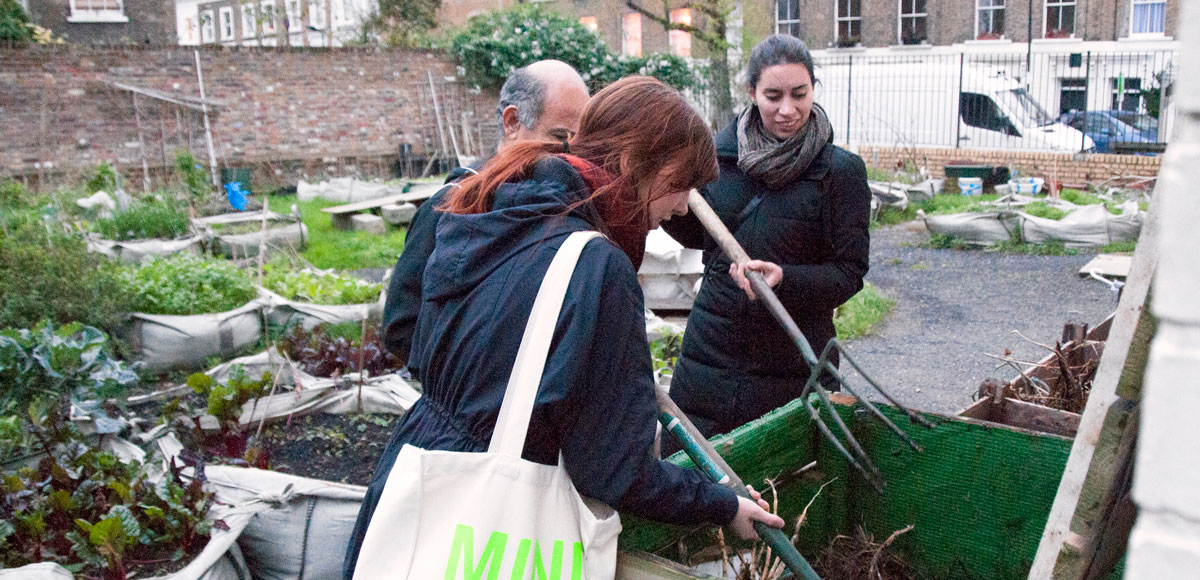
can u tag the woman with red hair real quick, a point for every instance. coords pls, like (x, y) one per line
(639, 150)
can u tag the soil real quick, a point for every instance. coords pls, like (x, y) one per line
(332, 447)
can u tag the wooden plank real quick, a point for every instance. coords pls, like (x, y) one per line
(425, 192)
(1124, 361)
(1108, 265)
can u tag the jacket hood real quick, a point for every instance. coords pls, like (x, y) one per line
(470, 247)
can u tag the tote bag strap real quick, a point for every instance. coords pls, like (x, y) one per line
(513, 421)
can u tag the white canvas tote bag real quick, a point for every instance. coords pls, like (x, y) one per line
(446, 515)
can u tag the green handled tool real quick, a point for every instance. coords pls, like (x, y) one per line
(705, 456)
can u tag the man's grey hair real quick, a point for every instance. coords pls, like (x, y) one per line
(526, 92)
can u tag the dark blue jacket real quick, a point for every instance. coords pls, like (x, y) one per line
(596, 402)
(736, 361)
(404, 290)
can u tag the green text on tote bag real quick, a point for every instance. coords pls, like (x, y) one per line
(462, 564)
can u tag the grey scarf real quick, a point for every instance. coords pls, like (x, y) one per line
(779, 163)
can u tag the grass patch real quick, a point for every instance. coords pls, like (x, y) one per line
(937, 205)
(1127, 246)
(149, 219)
(1040, 209)
(344, 250)
(1050, 248)
(861, 313)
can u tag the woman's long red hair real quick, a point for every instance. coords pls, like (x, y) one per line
(633, 129)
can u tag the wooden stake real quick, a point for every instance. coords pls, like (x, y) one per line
(137, 119)
(212, 155)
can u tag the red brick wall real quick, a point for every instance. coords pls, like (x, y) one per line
(1064, 168)
(310, 105)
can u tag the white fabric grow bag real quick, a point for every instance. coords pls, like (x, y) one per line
(281, 311)
(290, 236)
(344, 189)
(670, 274)
(980, 229)
(167, 342)
(1088, 226)
(134, 251)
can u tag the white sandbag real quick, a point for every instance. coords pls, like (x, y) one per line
(1088, 226)
(670, 274)
(301, 526)
(344, 189)
(282, 312)
(257, 364)
(281, 237)
(166, 342)
(383, 394)
(925, 190)
(97, 201)
(890, 194)
(657, 328)
(134, 251)
(979, 229)
(38, 571)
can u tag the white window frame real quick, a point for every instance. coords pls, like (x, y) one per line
(628, 45)
(316, 14)
(295, 18)
(82, 11)
(338, 12)
(992, 8)
(225, 17)
(1132, 8)
(913, 15)
(680, 41)
(838, 19)
(781, 23)
(249, 21)
(208, 26)
(267, 17)
(1059, 4)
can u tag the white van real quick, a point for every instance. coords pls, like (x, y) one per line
(938, 105)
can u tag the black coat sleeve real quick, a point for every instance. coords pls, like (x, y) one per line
(403, 301)
(829, 284)
(607, 440)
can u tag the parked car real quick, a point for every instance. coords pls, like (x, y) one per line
(1107, 128)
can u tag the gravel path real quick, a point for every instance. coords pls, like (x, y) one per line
(953, 307)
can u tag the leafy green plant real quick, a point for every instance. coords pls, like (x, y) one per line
(664, 352)
(494, 44)
(14, 23)
(12, 193)
(45, 275)
(307, 286)
(103, 178)
(47, 363)
(1040, 209)
(195, 179)
(224, 403)
(186, 284)
(146, 219)
(862, 312)
(99, 517)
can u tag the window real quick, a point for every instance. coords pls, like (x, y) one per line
(226, 23)
(206, 27)
(590, 22)
(681, 42)
(631, 34)
(1148, 17)
(97, 11)
(268, 17)
(981, 111)
(912, 22)
(291, 19)
(1072, 96)
(316, 14)
(1060, 19)
(849, 22)
(787, 17)
(249, 27)
(989, 20)
(339, 11)
(1126, 94)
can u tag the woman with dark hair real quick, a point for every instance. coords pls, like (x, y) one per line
(625, 173)
(801, 206)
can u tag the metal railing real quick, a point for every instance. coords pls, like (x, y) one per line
(1102, 102)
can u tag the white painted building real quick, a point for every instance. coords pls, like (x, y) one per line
(270, 22)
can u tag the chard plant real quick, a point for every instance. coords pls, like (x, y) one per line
(328, 351)
(225, 403)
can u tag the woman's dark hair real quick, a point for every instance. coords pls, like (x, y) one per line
(778, 49)
(632, 128)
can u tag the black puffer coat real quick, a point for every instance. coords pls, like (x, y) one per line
(737, 363)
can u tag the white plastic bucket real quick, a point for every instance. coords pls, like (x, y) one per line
(970, 185)
(1027, 185)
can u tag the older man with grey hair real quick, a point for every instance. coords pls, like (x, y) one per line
(539, 102)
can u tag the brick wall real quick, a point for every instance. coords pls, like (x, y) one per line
(150, 22)
(313, 106)
(1064, 168)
